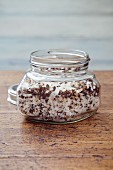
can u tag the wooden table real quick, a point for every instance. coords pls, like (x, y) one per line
(85, 145)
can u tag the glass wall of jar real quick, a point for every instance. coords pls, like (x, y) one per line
(58, 88)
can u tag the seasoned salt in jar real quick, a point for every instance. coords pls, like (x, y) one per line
(58, 88)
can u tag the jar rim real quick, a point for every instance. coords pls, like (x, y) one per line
(58, 57)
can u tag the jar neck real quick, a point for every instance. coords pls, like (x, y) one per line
(60, 71)
(63, 63)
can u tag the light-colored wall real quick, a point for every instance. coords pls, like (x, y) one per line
(29, 25)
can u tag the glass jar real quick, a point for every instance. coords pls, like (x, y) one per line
(58, 88)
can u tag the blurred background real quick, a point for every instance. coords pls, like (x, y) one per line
(29, 25)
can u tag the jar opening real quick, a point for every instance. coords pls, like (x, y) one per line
(58, 57)
(59, 61)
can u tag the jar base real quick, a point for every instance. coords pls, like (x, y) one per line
(77, 119)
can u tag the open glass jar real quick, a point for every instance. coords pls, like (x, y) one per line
(58, 88)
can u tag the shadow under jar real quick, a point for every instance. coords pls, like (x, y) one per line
(58, 88)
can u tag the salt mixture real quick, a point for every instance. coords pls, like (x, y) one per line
(58, 101)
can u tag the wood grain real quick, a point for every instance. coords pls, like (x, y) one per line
(58, 7)
(84, 145)
(27, 26)
(70, 26)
